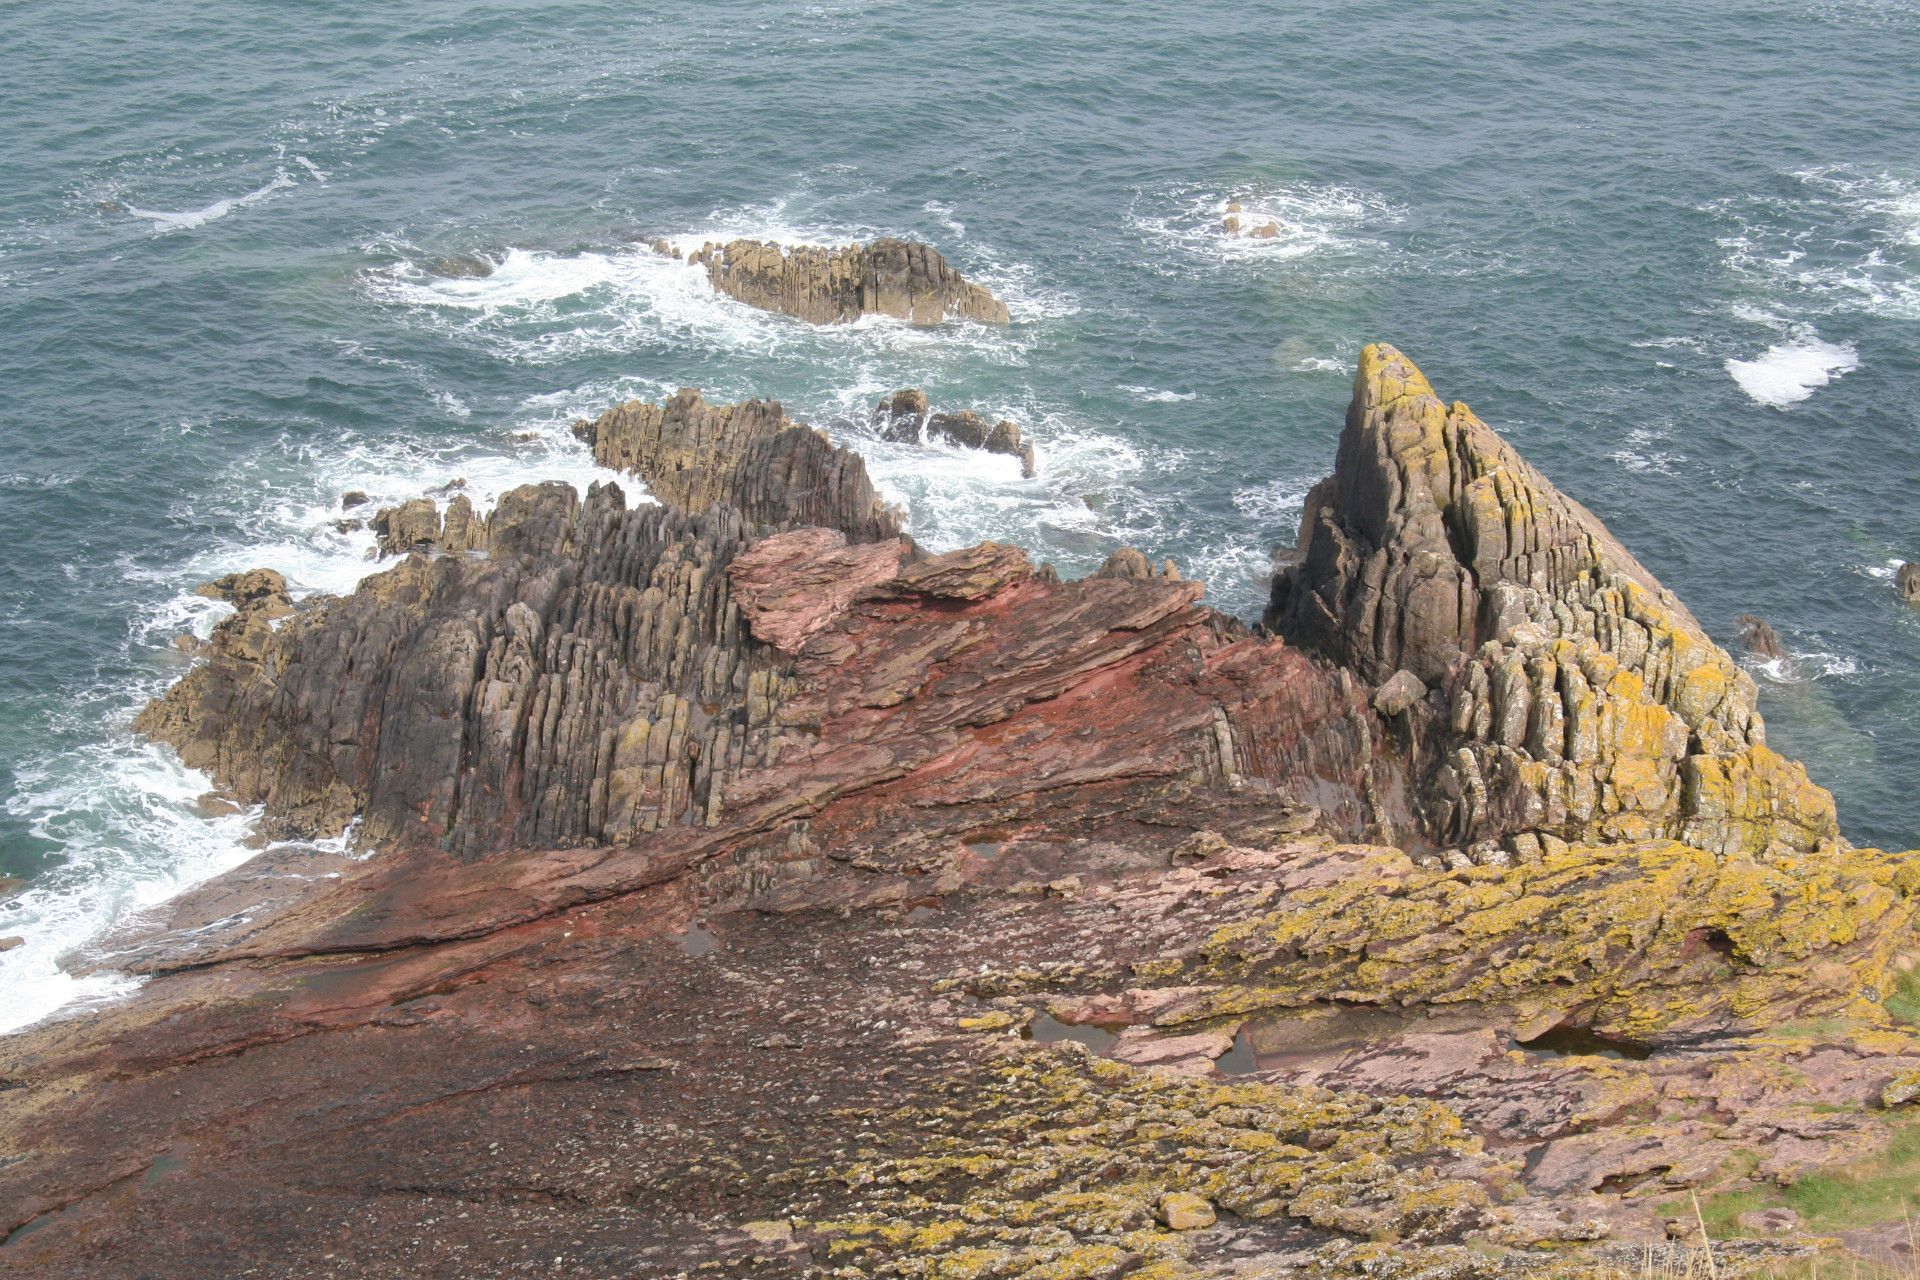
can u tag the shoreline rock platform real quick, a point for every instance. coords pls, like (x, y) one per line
(736, 887)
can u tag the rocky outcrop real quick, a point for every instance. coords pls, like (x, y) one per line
(1570, 696)
(822, 285)
(1760, 639)
(419, 525)
(1907, 580)
(907, 416)
(586, 679)
(1237, 223)
(737, 886)
(1126, 562)
(775, 472)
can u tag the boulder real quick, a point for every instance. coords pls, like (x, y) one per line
(1760, 640)
(906, 416)
(1908, 581)
(1402, 690)
(897, 278)
(1125, 562)
(1184, 1211)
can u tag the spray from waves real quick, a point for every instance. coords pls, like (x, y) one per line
(165, 221)
(123, 813)
(1275, 222)
(125, 818)
(1792, 370)
(541, 306)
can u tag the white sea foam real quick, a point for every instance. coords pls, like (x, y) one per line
(1886, 571)
(541, 307)
(1276, 504)
(1643, 450)
(1840, 241)
(1153, 395)
(1804, 667)
(123, 812)
(164, 220)
(1276, 221)
(1790, 371)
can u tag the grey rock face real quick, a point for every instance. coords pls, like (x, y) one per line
(586, 678)
(776, 472)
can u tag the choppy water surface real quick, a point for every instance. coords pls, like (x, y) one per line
(1672, 250)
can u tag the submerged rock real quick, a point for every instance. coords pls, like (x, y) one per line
(1760, 639)
(907, 416)
(461, 266)
(897, 278)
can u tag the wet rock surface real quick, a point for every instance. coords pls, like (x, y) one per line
(908, 416)
(733, 887)
(837, 285)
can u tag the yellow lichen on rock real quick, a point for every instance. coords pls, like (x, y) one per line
(1644, 940)
(1581, 700)
(1055, 1164)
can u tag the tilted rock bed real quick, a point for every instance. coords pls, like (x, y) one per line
(728, 853)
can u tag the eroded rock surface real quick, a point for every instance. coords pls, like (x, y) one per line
(836, 285)
(752, 892)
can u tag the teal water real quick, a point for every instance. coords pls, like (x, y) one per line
(1671, 250)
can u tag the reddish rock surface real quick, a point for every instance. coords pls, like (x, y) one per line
(750, 892)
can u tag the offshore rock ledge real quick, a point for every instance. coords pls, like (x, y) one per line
(752, 892)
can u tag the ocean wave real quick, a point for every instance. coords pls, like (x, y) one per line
(164, 220)
(1804, 667)
(1790, 371)
(543, 307)
(1276, 504)
(1153, 395)
(1642, 451)
(1834, 240)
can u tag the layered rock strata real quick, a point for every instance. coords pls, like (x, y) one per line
(752, 892)
(840, 284)
(908, 416)
(1559, 693)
